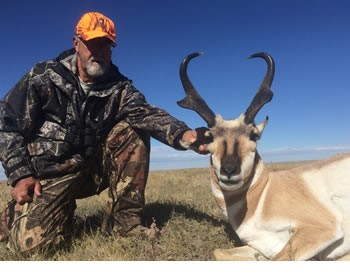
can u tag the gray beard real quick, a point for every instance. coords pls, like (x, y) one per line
(95, 70)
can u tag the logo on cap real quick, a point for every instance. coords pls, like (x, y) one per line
(100, 23)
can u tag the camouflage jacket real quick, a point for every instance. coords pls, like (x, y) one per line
(47, 118)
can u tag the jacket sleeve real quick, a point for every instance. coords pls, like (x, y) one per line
(18, 111)
(155, 121)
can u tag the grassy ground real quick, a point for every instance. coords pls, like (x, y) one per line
(186, 222)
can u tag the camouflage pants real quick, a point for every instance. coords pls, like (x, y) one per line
(121, 165)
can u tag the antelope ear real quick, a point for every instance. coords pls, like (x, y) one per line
(262, 125)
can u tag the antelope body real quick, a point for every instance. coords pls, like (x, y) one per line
(297, 214)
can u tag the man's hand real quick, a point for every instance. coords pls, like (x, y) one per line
(196, 140)
(25, 189)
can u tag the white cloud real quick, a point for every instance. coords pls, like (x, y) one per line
(284, 150)
(302, 153)
(164, 157)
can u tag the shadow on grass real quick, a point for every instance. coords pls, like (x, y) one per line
(161, 213)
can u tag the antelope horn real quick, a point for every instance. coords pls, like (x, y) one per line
(193, 100)
(264, 94)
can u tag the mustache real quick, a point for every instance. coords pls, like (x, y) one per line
(95, 58)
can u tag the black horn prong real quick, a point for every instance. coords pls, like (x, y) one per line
(193, 100)
(264, 94)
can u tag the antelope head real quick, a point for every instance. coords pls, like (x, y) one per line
(233, 151)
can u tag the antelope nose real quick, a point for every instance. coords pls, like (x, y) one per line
(230, 170)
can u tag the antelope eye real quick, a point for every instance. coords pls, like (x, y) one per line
(254, 136)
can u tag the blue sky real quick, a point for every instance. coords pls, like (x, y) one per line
(309, 40)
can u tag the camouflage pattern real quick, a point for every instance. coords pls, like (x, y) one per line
(48, 122)
(48, 219)
(77, 145)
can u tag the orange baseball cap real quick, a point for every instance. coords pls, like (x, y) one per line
(93, 25)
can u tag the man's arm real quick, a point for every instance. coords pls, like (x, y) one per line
(157, 122)
(18, 112)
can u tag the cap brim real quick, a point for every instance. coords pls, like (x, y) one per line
(97, 34)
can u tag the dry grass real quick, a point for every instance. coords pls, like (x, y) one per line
(183, 209)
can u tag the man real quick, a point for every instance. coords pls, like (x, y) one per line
(71, 128)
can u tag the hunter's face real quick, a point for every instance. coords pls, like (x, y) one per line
(94, 57)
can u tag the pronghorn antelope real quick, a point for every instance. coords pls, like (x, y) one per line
(297, 214)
